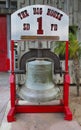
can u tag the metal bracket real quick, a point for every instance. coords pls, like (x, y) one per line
(41, 53)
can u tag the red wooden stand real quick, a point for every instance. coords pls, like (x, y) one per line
(62, 107)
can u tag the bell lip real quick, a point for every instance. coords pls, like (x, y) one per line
(38, 96)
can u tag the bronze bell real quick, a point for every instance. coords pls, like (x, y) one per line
(39, 85)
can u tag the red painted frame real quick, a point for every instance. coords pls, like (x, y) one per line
(62, 107)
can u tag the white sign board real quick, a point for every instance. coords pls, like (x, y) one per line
(39, 21)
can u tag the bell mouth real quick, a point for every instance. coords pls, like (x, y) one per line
(38, 96)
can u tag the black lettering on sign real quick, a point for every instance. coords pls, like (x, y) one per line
(54, 27)
(23, 14)
(54, 14)
(26, 26)
(37, 11)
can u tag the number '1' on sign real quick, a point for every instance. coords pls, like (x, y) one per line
(40, 30)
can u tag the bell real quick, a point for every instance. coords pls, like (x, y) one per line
(39, 86)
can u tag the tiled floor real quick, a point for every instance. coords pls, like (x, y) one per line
(4, 93)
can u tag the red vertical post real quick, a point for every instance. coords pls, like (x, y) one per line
(11, 114)
(68, 113)
(12, 56)
(66, 78)
(12, 77)
(66, 56)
